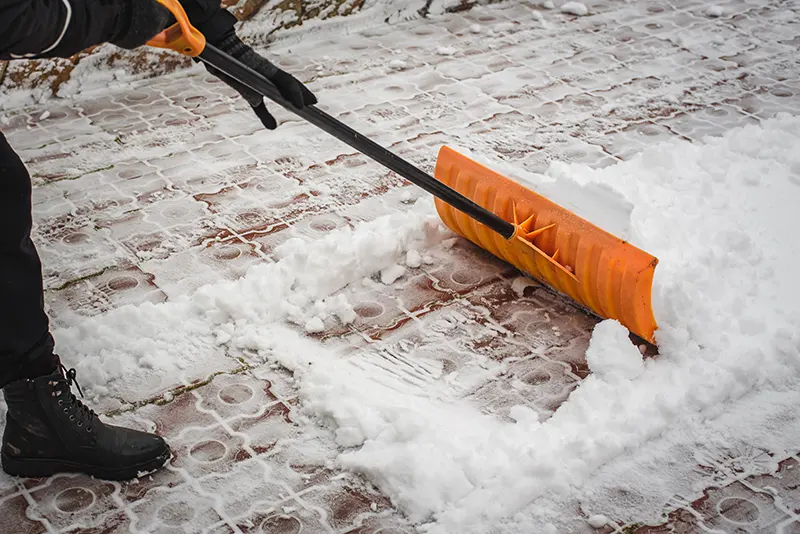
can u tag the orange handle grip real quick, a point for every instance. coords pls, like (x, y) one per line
(181, 37)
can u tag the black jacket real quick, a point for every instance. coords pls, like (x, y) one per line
(61, 28)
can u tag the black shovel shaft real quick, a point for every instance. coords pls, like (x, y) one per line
(256, 81)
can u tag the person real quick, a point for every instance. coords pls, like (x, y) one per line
(48, 429)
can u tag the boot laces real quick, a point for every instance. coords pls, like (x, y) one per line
(83, 412)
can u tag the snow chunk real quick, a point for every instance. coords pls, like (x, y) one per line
(611, 352)
(343, 310)
(523, 415)
(446, 50)
(397, 64)
(413, 259)
(714, 11)
(390, 274)
(315, 326)
(337, 306)
(475, 28)
(44, 115)
(597, 521)
(347, 436)
(575, 8)
(548, 4)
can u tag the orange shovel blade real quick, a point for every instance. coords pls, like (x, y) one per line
(568, 253)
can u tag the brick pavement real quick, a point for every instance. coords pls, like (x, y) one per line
(146, 193)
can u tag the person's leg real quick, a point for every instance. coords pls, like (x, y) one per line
(48, 430)
(26, 347)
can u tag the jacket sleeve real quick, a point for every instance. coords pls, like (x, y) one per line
(58, 28)
(61, 28)
(210, 18)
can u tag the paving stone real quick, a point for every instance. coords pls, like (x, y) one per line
(191, 190)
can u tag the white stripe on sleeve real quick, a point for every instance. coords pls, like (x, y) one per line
(64, 30)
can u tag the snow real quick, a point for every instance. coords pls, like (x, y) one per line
(610, 354)
(315, 325)
(169, 337)
(523, 415)
(597, 521)
(450, 461)
(390, 274)
(413, 259)
(575, 8)
(720, 215)
(725, 299)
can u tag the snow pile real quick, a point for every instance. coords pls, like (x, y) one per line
(132, 341)
(597, 521)
(419, 448)
(720, 215)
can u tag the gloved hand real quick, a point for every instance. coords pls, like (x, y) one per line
(289, 87)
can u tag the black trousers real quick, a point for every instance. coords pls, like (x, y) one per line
(26, 346)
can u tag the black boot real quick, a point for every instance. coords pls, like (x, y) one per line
(48, 431)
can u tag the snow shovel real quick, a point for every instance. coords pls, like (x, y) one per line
(597, 270)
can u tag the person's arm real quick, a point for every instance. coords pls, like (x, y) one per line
(210, 18)
(61, 28)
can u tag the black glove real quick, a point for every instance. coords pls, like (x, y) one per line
(289, 87)
(140, 21)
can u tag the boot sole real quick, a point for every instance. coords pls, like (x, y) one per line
(40, 467)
